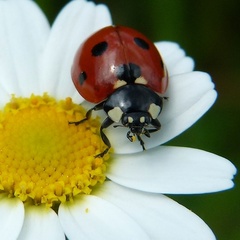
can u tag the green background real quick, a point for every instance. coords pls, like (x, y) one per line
(209, 31)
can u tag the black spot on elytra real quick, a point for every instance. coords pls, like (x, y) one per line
(99, 49)
(128, 72)
(141, 43)
(82, 77)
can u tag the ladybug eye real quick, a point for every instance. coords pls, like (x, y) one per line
(141, 43)
(99, 49)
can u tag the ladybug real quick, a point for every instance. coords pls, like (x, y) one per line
(121, 70)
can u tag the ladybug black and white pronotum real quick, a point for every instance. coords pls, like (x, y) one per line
(121, 71)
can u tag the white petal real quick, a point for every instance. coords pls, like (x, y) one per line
(159, 216)
(91, 217)
(184, 65)
(73, 25)
(190, 95)
(12, 215)
(173, 170)
(23, 33)
(167, 48)
(41, 223)
(175, 58)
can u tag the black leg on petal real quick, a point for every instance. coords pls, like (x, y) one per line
(106, 123)
(89, 113)
(141, 142)
(156, 124)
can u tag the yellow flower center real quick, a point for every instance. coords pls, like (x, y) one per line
(43, 159)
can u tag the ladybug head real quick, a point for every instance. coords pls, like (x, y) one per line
(136, 121)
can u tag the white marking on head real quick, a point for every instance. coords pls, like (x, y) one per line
(142, 119)
(115, 114)
(154, 110)
(140, 80)
(130, 120)
(119, 83)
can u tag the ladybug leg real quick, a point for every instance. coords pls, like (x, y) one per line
(165, 98)
(106, 123)
(141, 142)
(146, 132)
(156, 124)
(89, 113)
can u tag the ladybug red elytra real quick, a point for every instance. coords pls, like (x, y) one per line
(122, 71)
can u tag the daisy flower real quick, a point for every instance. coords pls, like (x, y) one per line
(51, 185)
